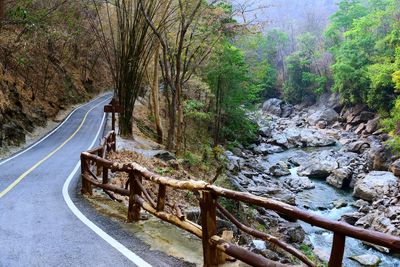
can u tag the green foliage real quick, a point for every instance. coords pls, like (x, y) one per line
(392, 126)
(302, 80)
(228, 78)
(196, 109)
(263, 54)
(364, 37)
(192, 159)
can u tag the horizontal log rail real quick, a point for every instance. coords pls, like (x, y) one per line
(214, 247)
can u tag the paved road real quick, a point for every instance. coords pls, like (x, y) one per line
(38, 228)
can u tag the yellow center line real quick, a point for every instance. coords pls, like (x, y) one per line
(20, 178)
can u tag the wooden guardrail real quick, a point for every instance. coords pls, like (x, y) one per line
(214, 247)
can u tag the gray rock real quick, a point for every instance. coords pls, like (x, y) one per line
(364, 116)
(279, 169)
(395, 168)
(287, 110)
(352, 218)
(265, 132)
(165, 155)
(372, 126)
(340, 178)
(367, 260)
(356, 147)
(377, 248)
(259, 245)
(318, 166)
(380, 156)
(273, 106)
(266, 149)
(360, 128)
(299, 183)
(375, 185)
(360, 203)
(328, 115)
(341, 203)
(293, 232)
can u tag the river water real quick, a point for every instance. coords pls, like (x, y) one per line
(319, 201)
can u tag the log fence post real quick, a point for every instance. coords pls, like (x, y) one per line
(99, 168)
(114, 142)
(162, 190)
(208, 205)
(86, 186)
(337, 252)
(134, 208)
(105, 175)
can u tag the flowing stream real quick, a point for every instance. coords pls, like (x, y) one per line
(320, 201)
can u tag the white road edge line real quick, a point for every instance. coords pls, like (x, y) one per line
(110, 240)
(49, 134)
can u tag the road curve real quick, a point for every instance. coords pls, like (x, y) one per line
(44, 221)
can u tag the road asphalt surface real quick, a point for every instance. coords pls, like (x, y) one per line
(44, 220)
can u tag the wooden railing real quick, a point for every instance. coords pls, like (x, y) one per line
(214, 247)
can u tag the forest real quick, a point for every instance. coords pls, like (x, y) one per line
(211, 63)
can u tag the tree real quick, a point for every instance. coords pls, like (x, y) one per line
(304, 77)
(187, 38)
(128, 45)
(2, 9)
(363, 38)
(228, 76)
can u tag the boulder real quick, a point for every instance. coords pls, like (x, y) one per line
(356, 147)
(287, 110)
(234, 162)
(165, 155)
(381, 157)
(349, 114)
(360, 128)
(292, 232)
(299, 183)
(265, 132)
(340, 178)
(367, 260)
(266, 149)
(395, 168)
(364, 116)
(376, 184)
(319, 165)
(341, 203)
(273, 106)
(360, 203)
(328, 115)
(279, 169)
(372, 126)
(321, 124)
(351, 218)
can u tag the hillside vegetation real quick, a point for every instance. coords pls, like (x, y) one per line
(48, 60)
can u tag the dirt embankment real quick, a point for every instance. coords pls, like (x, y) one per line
(41, 75)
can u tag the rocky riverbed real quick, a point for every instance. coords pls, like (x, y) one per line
(328, 160)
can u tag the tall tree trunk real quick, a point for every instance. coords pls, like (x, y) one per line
(155, 96)
(172, 123)
(2, 9)
(180, 119)
(217, 120)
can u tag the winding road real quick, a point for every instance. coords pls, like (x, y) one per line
(44, 221)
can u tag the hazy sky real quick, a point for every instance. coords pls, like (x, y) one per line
(288, 13)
